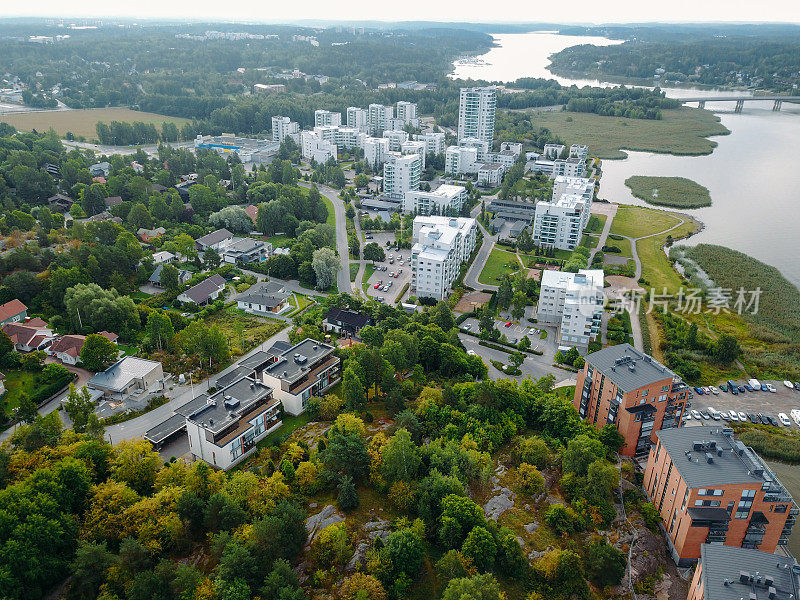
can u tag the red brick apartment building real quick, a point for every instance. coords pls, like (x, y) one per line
(710, 488)
(728, 573)
(633, 392)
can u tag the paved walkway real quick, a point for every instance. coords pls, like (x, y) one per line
(610, 210)
(471, 278)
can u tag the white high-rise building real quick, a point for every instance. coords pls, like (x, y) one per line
(476, 112)
(407, 113)
(396, 139)
(375, 150)
(410, 147)
(378, 118)
(552, 151)
(326, 117)
(314, 147)
(575, 302)
(580, 186)
(343, 137)
(282, 127)
(560, 223)
(358, 118)
(569, 167)
(441, 245)
(482, 146)
(401, 174)
(580, 151)
(444, 200)
(514, 147)
(434, 142)
(461, 161)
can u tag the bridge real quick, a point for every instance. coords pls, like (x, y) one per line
(777, 101)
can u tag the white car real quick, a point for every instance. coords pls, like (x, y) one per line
(471, 352)
(707, 391)
(714, 390)
(734, 416)
(696, 415)
(724, 415)
(743, 417)
(788, 384)
(771, 388)
(795, 415)
(784, 419)
(533, 331)
(687, 416)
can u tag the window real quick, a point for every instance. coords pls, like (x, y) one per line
(707, 503)
(780, 508)
(709, 492)
(685, 498)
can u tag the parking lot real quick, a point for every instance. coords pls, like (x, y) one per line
(513, 332)
(783, 400)
(399, 265)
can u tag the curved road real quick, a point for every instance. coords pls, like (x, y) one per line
(474, 271)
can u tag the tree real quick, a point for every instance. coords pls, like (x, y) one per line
(79, 407)
(91, 307)
(233, 218)
(459, 516)
(139, 216)
(477, 587)
(405, 551)
(504, 293)
(442, 316)
(89, 569)
(562, 519)
(516, 359)
(211, 258)
(728, 349)
(326, 266)
(353, 390)
(135, 463)
(361, 181)
(519, 301)
(346, 454)
(580, 453)
(98, 352)
(208, 343)
(612, 439)
(605, 565)
(529, 480)
(401, 458)
(27, 411)
(159, 331)
(480, 548)
(347, 499)
(170, 278)
(374, 252)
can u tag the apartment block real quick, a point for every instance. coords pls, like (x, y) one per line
(580, 186)
(378, 117)
(444, 200)
(575, 302)
(397, 138)
(225, 427)
(314, 147)
(434, 142)
(306, 369)
(560, 223)
(326, 117)
(632, 391)
(569, 167)
(552, 151)
(407, 113)
(461, 161)
(710, 488)
(401, 174)
(412, 147)
(514, 147)
(506, 158)
(579, 151)
(358, 118)
(482, 147)
(490, 174)
(375, 151)
(476, 113)
(283, 127)
(729, 573)
(441, 245)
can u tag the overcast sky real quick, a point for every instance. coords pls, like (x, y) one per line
(479, 11)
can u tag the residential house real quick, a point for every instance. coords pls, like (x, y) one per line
(127, 377)
(13, 311)
(225, 427)
(252, 212)
(205, 291)
(113, 201)
(306, 369)
(101, 169)
(345, 322)
(633, 392)
(32, 335)
(214, 240)
(241, 250)
(105, 216)
(68, 348)
(155, 278)
(148, 234)
(163, 257)
(60, 203)
(264, 297)
(710, 488)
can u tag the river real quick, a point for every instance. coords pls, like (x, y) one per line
(752, 174)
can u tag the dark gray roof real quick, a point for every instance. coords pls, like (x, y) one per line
(615, 363)
(183, 275)
(163, 430)
(203, 290)
(298, 359)
(223, 407)
(279, 348)
(215, 237)
(237, 373)
(353, 318)
(192, 405)
(268, 293)
(690, 449)
(729, 563)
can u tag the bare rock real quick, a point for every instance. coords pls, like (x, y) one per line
(531, 527)
(359, 557)
(499, 504)
(316, 523)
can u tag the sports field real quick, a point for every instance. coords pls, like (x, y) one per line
(82, 122)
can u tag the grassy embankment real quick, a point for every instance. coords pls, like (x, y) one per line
(83, 122)
(682, 131)
(677, 192)
(499, 263)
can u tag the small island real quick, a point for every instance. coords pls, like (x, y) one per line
(677, 192)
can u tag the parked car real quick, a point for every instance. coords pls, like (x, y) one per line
(771, 388)
(749, 387)
(724, 415)
(795, 415)
(699, 391)
(784, 419)
(788, 384)
(734, 416)
(368, 236)
(763, 418)
(687, 417)
(713, 412)
(508, 324)
(706, 390)
(468, 326)
(696, 414)
(396, 275)
(723, 387)
(754, 383)
(471, 352)
(797, 385)
(376, 286)
(742, 389)
(714, 390)
(733, 390)
(764, 387)
(742, 416)
(753, 418)
(773, 421)
(705, 415)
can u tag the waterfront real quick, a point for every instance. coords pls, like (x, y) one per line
(751, 175)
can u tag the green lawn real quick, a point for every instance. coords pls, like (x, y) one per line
(280, 241)
(624, 245)
(497, 265)
(677, 192)
(353, 271)
(657, 270)
(139, 295)
(331, 215)
(682, 131)
(589, 241)
(16, 383)
(128, 350)
(596, 224)
(636, 222)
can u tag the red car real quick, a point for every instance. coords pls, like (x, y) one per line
(508, 324)
(376, 286)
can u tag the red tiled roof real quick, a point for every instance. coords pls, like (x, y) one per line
(252, 212)
(9, 309)
(36, 322)
(111, 337)
(69, 344)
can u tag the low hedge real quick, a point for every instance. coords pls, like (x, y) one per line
(46, 391)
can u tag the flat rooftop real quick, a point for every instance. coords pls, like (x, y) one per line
(119, 375)
(165, 429)
(731, 573)
(224, 407)
(626, 367)
(298, 360)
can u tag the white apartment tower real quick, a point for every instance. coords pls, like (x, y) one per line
(444, 200)
(407, 112)
(575, 301)
(461, 160)
(282, 127)
(358, 118)
(476, 111)
(375, 151)
(434, 142)
(326, 117)
(560, 223)
(378, 118)
(401, 174)
(441, 245)
(581, 186)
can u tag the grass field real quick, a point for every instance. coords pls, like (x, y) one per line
(635, 222)
(596, 224)
(682, 131)
(590, 241)
(244, 331)
(657, 270)
(331, 216)
(82, 122)
(497, 265)
(677, 192)
(624, 245)
(353, 271)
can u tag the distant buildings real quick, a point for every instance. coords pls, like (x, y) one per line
(248, 149)
(269, 88)
(476, 113)
(283, 127)
(712, 489)
(631, 391)
(441, 245)
(358, 118)
(434, 142)
(444, 200)
(378, 117)
(575, 302)
(324, 118)
(315, 148)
